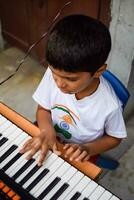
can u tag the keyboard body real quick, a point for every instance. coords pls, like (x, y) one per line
(58, 178)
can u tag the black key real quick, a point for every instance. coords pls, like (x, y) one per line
(23, 168)
(60, 191)
(85, 198)
(12, 161)
(8, 152)
(34, 170)
(37, 179)
(76, 196)
(0, 134)
(49, 188)
(3, 141)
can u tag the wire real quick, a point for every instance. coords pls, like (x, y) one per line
(34, 44)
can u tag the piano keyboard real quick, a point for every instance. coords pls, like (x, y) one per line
(21, 179)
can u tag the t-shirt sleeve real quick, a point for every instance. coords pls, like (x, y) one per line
(43, 91)
(115, 125)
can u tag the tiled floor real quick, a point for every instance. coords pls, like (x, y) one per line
(17, 94)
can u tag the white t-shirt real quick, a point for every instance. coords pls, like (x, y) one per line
(84, 120)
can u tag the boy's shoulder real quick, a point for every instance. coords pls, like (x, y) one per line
(108, 94)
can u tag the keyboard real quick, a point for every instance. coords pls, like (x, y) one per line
(56, 179)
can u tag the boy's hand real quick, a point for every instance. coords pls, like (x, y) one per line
(76, 152)
(40, 143)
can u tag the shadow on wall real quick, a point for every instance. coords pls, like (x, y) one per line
(129, 110)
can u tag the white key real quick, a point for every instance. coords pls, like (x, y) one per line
(28, 169)
(106, 196)
(72, 183)
(6, 146)
(16, 167)
(11, 141)
(21, 138)
(114, 198)
(58, 173)
(89, 189)
(2, 120)
(52, 168)
(26, 138)
(38, 172)
(97, 193)
(5, 125)
(8, 158)
(79, 187)
(17, 164)
(65, 178)
(9, 130)
(81, 197)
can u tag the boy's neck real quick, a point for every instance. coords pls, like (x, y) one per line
(89, 90)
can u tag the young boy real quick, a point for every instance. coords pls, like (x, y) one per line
(75, 102)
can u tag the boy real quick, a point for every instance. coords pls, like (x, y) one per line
(75, 102)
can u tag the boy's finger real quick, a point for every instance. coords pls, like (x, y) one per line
(55, 150)
(31, 154)
(75, 154)
(55, 147)
(71, 149)
(43, 154)
(86, 158)
(81, 156)
(66, 146)
(25, 146)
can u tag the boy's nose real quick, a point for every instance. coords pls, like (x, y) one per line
(60, 83)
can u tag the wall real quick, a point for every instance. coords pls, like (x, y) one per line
(1, 39)
(122, 32)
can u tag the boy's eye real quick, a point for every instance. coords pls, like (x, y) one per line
(72, 79)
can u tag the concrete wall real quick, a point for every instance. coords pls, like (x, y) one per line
(122, 32)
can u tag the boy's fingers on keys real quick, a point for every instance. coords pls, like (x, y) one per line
(43, 154)
(26, 146)
(30, 147)
(31, 154)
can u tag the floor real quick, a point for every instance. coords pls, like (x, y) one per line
(17, 94)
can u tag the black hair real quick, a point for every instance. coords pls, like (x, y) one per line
(78, 43)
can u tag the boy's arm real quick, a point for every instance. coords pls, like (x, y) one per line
(101, 145)
(44, 121)
(45, 140)
(82, 152)
(47, 131)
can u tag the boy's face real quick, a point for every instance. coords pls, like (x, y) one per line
(71, 83)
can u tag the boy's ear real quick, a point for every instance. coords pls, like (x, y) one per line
(100, 71)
